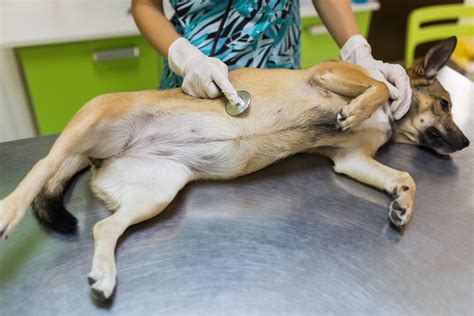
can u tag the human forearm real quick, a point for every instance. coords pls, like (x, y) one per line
(153, 24)
(340, 21)
(203, 76)
(338, 18)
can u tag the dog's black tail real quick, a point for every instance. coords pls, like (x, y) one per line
(48, 206)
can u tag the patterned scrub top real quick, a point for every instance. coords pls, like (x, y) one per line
(257, 33)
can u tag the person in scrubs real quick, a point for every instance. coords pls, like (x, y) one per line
(206, 38)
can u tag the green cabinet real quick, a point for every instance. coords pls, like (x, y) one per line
(61, 78)
(317, 44)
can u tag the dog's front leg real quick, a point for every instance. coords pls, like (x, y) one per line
(365, 169)
(366, 93)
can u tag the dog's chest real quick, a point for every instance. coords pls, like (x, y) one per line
(373, 132)
(380, 120)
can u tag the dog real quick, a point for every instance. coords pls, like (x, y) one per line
(143, 147)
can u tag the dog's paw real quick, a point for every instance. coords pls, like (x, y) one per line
(345, 121)
(102, 280)
(9, 219)
(399, 214)
(102, 285)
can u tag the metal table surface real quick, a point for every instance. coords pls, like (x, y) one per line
(292, 239)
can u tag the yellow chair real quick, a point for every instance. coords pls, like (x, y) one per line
(417, 34)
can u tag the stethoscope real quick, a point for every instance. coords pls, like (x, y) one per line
(233, 109)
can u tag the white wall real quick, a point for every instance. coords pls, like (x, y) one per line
(15, 115)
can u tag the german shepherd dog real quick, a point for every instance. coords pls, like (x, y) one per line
(143, 147)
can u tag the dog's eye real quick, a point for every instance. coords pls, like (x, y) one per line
(444, 104)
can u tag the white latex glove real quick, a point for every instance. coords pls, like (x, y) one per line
(203, 76)
(356, 50)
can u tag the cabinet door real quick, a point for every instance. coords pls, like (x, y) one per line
(317, 44)
(61, 78)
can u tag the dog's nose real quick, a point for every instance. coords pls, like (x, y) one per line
(461, 143)
(464, 142)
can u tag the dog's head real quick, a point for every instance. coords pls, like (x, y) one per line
(429, 122)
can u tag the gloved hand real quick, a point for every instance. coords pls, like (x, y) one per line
(356, 50)
(204, 77)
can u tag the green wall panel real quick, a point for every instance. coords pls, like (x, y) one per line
(61, 78)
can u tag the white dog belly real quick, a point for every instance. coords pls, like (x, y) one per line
(205, 144)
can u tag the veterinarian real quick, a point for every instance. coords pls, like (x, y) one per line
(248, 33)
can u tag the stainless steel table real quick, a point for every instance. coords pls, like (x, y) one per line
(292, 239)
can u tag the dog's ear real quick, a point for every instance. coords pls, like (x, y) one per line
(437, 57)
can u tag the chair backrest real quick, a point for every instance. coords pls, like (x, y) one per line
(417, 33)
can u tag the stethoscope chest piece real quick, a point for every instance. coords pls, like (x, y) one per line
(237, 109)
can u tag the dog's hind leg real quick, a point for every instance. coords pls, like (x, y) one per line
(78, 136)
(354, 82)
(138, 190)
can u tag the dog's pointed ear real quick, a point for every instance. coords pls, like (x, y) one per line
(437, 57)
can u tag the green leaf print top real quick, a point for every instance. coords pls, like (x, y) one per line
(256, 33)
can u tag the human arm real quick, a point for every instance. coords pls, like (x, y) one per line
(203, 76)
(153, 24)
(338, 18)
(340, 21)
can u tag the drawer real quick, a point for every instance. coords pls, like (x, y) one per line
(61, 78)
(317, 44)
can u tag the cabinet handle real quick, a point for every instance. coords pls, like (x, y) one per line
(116, 54)
(317, 30)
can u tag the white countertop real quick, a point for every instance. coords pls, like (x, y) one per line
(39, 22)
